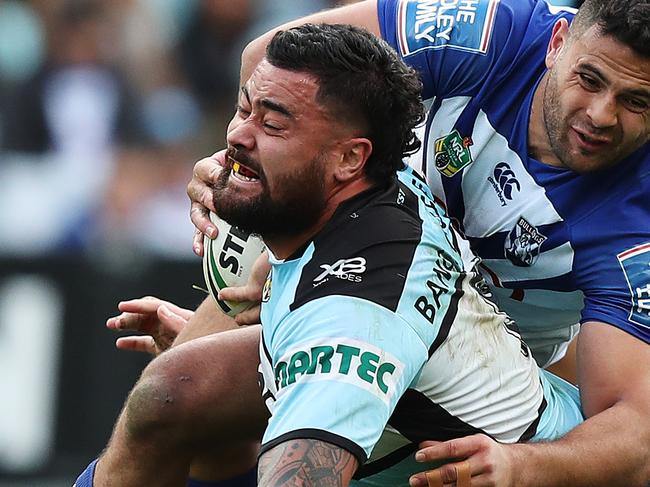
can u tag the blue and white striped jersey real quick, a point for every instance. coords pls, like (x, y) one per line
(559, 248)
(378, 334)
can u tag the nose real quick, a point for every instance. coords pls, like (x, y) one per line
(602, 110)
(240, 133)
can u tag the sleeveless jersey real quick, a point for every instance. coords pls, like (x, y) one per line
(382, 319)
(558, 248)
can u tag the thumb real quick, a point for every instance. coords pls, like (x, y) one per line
(238, 294)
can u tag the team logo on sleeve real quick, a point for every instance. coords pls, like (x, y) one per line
(435, 24)
(635, 263)
(452, 153)
(523, 243)
(342, 360)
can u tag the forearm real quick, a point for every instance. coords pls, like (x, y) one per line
(207, 319)
(304, 462)
(610, 449)
(362, 14)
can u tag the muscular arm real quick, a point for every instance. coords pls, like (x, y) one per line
(305, 462)
(613, 446)
(362, 14)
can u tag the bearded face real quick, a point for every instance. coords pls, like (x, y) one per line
(295, 203)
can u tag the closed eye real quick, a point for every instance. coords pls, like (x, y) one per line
(244, 112)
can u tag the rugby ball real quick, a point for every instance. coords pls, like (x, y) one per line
(227, 262)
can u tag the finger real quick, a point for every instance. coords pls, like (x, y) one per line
(456, 448)
(145, 305)
(113, 323)
(197, 243)
(186, 314)
(137, 344)
(150, 305)
(250, 316)
(205, 174)
(209, 168)
(200, 216)
(170, 322)
(128, 321)
(419, 480)
(220, 158)
(458, 474)
(200, 192)
(430, 478)
(463, 474)
(240, 294)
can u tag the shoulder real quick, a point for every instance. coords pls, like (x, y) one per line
(613, 259)
(366, 251)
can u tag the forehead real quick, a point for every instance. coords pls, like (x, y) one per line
(614, 59)
(294, 90)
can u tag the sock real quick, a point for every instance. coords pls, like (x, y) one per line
(86, 477)
(248, 479)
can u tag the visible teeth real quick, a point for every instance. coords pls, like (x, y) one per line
(242, 177)
(236, 168)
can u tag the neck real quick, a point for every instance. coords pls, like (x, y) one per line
(283, 246)
(539, 144)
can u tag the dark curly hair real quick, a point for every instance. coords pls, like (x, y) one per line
(361, 80)
(628, 21)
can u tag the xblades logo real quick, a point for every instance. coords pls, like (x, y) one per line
(346, 269)
(504, 182)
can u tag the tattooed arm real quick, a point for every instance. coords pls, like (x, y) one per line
(304, 462)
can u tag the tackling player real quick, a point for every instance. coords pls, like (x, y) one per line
(374, 313)
(537, 141)
(562, 113)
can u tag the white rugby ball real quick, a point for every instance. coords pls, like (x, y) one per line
(227, 262)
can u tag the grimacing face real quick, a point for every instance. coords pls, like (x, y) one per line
(280, 143)
(596, 104)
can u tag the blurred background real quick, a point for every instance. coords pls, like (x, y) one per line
(105, 105)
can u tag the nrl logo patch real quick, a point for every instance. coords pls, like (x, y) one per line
(452, 153)
(635, 263)
(523, 244)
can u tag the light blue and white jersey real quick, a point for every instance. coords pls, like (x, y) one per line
(559, 248)
(378, 335)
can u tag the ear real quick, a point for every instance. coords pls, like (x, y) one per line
(353, 157)
(559, 39)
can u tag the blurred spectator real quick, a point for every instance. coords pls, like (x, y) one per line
(77, 101)
(210, 48)
(60, 128)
